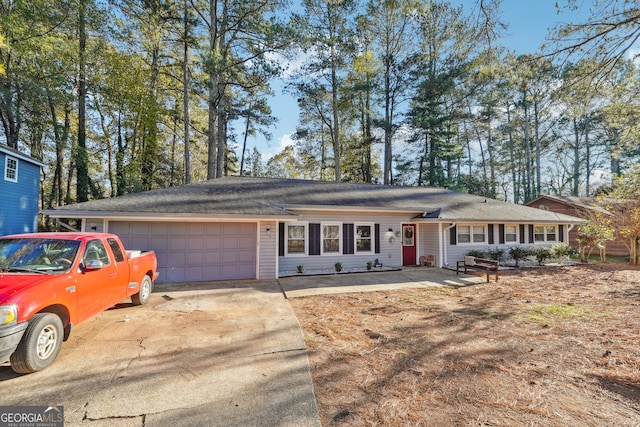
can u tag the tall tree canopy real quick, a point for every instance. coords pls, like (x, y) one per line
(164, 92)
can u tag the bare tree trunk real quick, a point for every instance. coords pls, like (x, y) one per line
(588, 158)
(538, 186)
(185, 96)
(336, 118)
(512, 158)
(527, 149)
(82, 175)
(244, 139)
(576, 159)
(212, 100)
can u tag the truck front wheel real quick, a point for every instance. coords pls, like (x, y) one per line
(40, 344)
(144, 294)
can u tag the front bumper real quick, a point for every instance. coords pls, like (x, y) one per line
(10, 337)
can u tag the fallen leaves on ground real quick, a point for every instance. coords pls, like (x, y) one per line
(547, 346)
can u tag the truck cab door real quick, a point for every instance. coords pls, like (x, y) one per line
(97, 281)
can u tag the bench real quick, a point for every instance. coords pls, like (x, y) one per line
(479, 264)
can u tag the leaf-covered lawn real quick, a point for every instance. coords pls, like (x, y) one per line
(552, 346)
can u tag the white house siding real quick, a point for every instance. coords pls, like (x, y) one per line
(428, 241)
(268, 250)
(390, 249)
(96, 225)
(458, 251)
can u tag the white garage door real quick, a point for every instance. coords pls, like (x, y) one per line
(194, 251)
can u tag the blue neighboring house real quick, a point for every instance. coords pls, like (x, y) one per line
(19, 191)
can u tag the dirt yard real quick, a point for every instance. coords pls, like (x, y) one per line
(541, 347)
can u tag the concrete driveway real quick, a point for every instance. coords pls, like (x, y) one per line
(221, 354)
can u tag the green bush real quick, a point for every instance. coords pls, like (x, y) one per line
(542, 254)
(497, 254)
(300, 269)
(561, 250)
(478, 253)
(338, 266)
(519, 253)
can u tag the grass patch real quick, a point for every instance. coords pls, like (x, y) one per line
(496, 315)
(611, 259)
(555, 312)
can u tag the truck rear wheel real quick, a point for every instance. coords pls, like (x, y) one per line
(144, 294)
(40, 344)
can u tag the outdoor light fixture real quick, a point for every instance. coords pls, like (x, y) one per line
(268, 230)
(390, 236)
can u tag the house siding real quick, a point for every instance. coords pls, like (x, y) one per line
(390, 249)
(267, 255)
(428, 241)
(457, 251)
(19, 207)
(615, 247)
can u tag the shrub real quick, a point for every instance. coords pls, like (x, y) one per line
(518, 253)
(300, 269)
(369, 265)
(497, 254)
(338, 266)
(542, 254)
(561, 250)
(478, 253)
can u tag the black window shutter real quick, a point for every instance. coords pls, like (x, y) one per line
(347, 239)
(531, 233)
(377, 237)
(501, 232)
(281, 241)
(561, 233)
(521, 233)
(453, 235)
(491, 242)
(314, 239)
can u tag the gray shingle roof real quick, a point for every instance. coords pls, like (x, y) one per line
(268, 197)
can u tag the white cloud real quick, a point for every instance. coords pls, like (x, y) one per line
(283, 142)
(292, 63)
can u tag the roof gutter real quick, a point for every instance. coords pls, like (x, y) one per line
(158, 217)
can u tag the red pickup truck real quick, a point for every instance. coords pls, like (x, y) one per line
(51, 281)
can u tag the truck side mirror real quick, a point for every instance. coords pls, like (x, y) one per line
(93, 264)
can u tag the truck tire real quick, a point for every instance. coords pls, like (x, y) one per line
(144, 294)
(39, 345)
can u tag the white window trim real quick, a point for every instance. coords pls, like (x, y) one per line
(546, 239)
(514, 242)
(471, 242)
(322, 225)
(306, 239)
(6, 169)
(372, 238)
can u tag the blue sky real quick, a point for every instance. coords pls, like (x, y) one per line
(528, 20)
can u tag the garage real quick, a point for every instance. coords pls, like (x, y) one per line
(189, 252)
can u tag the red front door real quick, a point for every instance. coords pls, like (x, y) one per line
(408, 244)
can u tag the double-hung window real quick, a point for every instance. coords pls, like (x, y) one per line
(296, 239)
(472, 234)
(331, 239)
(544, 233)
(11, 169)
(364, 238)
(510, 233)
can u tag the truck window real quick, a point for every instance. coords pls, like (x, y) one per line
(96, 251)
(116, 249)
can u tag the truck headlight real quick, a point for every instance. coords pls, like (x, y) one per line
(8, 314)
